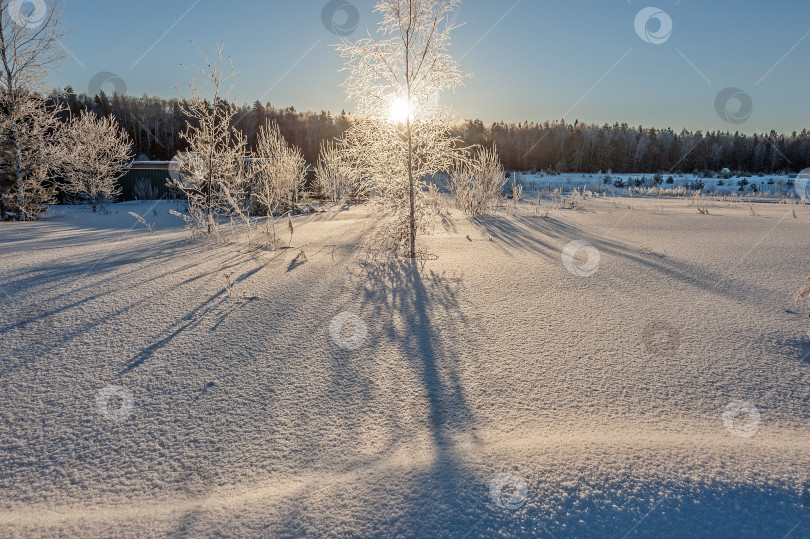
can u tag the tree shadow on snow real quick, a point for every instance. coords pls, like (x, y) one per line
(548, 236)
(420, 309)
(192, 319)
(418, 313)
(800, 349)
(525, 233)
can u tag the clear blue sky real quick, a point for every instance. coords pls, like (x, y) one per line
(543, 60)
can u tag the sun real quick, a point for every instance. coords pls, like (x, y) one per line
(400, 111)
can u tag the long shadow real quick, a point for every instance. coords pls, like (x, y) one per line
(421, 312)
(449, 477)
(531, 234)
(434, 322)
(802, 350)
(189, 321)
(133, 279)
(523, 233)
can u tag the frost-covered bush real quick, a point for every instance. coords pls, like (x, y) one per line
(97, 154)
(516, 190)
(277, 173)
(478, 182)
(144, 190)
(337, 179)
(212, 171)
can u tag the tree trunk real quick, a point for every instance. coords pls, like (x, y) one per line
(15, 134)
(208, 203)
(412, 218)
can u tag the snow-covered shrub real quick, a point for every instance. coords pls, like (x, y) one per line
(276, 176)
(337, 179)
(97, 155)
(277, 172)
(516, 190)
(478, 182)
(212, 172)
(144, 190)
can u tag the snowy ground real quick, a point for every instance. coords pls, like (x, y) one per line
(601, 396)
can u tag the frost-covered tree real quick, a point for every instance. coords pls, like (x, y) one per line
(277, 174)
(33, 137)
(337, 178)
(30, 46)
(402, 134)
(478, 182)
(213, 170)
(97, 153)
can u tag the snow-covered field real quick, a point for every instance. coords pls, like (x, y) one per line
(768, 186)
(503, 389)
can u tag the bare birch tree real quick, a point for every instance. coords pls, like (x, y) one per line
(30, 46)
(37, 130)
(402, 134)
(213, 171)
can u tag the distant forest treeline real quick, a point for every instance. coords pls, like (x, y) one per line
(154, 125)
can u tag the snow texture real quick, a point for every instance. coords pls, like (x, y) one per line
(493, 393)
